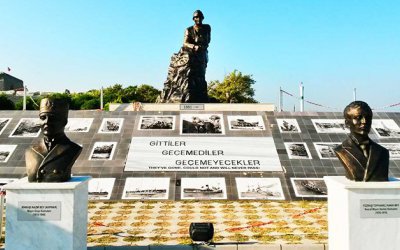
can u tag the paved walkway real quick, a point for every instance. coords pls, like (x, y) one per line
(238, 224)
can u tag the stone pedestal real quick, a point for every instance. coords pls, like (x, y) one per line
(42, 216)
(363, 215)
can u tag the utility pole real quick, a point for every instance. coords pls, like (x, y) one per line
(301, 97)
(24, 99)
(280, 99)
(101, 98)
(355, 94)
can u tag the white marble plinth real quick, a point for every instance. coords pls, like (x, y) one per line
(47, 216)
(363, 215)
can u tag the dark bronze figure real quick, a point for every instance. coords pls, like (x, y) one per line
(52, 158)
(363, 159)
(186, 73)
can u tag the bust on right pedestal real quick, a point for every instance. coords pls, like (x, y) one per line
(363, 159)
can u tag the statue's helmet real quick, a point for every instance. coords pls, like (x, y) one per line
(55, 106)
(198, 13)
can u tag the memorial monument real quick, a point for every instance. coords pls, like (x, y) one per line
(363, 159)
(52, 158)
(49, 202)
(186, 73)
(364, 207)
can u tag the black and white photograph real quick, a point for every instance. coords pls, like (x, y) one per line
(6, 151)
(202, 124)
(111, 126)
(259, 188)
(386, 128)
(27, 127)
(288, 126)
(3, 123)
(297, 150)
(3, 182)
(394, 150)
(203, 188)
(157, 122)
(330, 126)
(325, 149)
(248, 122)
(100, 188)
(103, 151)
(309, 187)
(146, 188)
(78, 125)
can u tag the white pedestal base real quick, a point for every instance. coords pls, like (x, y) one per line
(363, 215)
(47, 216)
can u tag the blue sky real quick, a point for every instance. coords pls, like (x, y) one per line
(330, 46)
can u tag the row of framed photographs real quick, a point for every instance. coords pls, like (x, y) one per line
(199, 124)
(30, 127)
(211, 188)
(190, 124)
(299, 150)
(100, 151)
(384, 128)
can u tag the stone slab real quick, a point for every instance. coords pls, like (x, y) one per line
(69, 231)
(348, 227)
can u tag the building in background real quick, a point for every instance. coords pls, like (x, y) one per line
(9, 82)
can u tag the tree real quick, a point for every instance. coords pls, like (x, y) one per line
(6, 103)
(31, 104)
(80, 99)
(91, 104)
(235, 88)
(146, 93)
(129, 94)
(113, 93)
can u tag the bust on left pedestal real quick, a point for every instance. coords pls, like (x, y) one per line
(51, 159)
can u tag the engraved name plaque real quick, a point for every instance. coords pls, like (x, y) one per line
(39, 210)
(380, 208)
(191, 106)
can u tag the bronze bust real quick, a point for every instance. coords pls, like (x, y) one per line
(362, 158)
(52, 158)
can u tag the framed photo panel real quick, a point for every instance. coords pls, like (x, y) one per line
(3, 123)
(242, 122)
(297, 150)
(325, 149)
(27, 127)
(259, 188)
(111, 126)
(288, 126)
(386, 128)
(6, 151)
(202, 124)
(146, 188)
(309, 187)
(203, 188)
(103, 151)
(157, 122)
(78, 125)
(330, 126)
(100, 188)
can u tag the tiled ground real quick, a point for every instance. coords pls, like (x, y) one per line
(167, 222)
(311, 168)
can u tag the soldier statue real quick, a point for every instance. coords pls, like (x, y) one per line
(362, 158)
(52, 158)
(186, 74)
